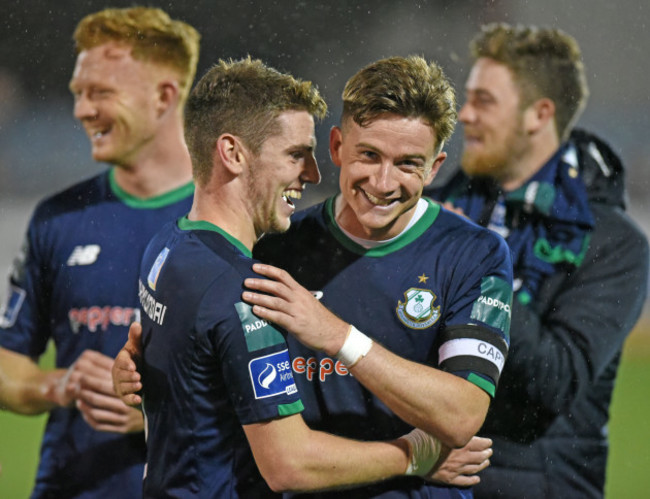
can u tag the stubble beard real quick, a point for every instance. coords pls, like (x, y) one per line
(498, 161)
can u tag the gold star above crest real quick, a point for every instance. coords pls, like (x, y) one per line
(422, 279)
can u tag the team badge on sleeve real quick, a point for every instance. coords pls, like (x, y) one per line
(417, 310)
(154, 272)
(9, 311)
(271, 375)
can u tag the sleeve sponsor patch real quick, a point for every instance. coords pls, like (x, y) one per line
(258, 333)
(493, 307)
(9, 311)
(271, 375)
(154, 272)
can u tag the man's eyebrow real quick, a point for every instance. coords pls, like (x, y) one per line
(311, 146)
(480, 92)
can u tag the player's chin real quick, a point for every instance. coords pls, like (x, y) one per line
(103, 155)
(279, 225)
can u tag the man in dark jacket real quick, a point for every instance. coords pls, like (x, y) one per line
(580, 264)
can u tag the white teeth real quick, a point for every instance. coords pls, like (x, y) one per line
(291, 193)
(378, 201)
(98, 135)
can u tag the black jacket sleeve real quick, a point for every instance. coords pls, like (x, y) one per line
(564, 341)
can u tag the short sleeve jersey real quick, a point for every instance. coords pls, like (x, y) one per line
(439, 294)
(75, 283)
(210, 366)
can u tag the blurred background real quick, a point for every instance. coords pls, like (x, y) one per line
(42, 148)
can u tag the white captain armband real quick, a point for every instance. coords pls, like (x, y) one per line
(356, 346)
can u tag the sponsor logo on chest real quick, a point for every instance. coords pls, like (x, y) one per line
(100, 318)
(83, 255)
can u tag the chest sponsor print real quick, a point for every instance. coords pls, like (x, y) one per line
(417, 311)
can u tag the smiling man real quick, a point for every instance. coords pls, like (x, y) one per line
(429, 290)
(75, 279)
(580, 264)
(217, 380)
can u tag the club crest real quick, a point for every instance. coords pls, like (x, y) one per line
(417, 310)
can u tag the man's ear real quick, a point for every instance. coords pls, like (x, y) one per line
(168, 94)
(336, 141)
(539, 115)
(231, 153)
(435, 168)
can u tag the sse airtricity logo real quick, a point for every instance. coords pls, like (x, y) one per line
(271, 375)
(267, 376)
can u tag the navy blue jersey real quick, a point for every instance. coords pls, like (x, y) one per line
(76, 284)
(210, 365)
(439, 294)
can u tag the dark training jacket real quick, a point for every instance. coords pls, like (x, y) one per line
(549, 418)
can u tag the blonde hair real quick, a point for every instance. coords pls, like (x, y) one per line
(244, 98)
(545, 63)
(405, 86)
(152, 35)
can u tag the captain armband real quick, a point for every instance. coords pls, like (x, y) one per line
(356, 346)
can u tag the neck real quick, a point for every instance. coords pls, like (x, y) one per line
(542, 148)
(222, 206)
(163, 165)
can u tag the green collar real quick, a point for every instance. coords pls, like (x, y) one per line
(153, 203)
(433, 209)
(185, 224)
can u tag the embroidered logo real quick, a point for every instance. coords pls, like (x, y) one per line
(417, 310)
(84, 255)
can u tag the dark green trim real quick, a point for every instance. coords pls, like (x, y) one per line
(185, 224)
(544, 197)
(545, 252)
(290, 409)
(482, 383)
(153, 203)
(411, 235)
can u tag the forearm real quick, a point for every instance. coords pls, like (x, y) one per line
(311, 460)
(328, 462)
(28, 391)
(442, 404)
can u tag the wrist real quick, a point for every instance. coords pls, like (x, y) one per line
(52, 388)
(355, 347)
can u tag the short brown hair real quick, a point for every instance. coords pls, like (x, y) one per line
(152, 35)
(405, 86)
(545, 63)
(244, 98)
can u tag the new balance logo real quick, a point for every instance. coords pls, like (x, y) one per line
(84, 255)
